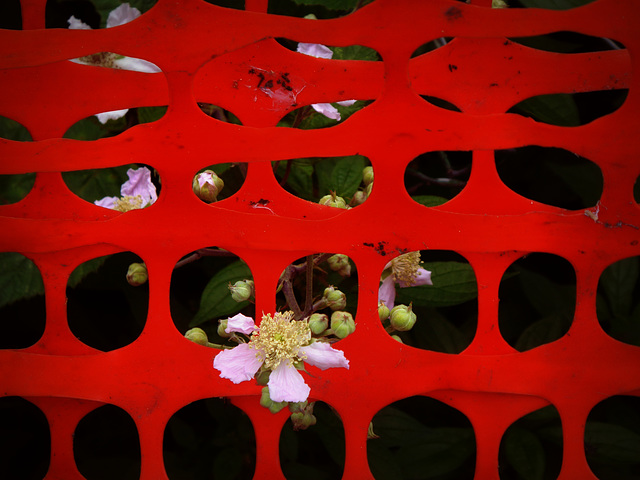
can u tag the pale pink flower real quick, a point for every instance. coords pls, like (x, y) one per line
(405, 272)
(137, 192)
(276, 345)
(320, 51)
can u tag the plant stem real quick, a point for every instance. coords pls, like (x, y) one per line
(203, 252)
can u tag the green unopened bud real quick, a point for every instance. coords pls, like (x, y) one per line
(342, 324)
(197, 335)
(332, 200)
(266, 402)
(367, 175)
(368, 189)
(137, 274)
(499, 4)
(296, 407)
(242, 290)
(340, 263)
(222, 326)
(397, 338)
(302, 421)
(318, 323)
(383, 311)
(358, 198)
(336, 300)
(207, 186)
(402, 318)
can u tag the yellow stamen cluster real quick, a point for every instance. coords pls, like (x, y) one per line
(279, 338)
(405, 267)
(101, 59)
(127, 203)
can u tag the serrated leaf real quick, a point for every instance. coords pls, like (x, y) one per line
(429, 200)
(555, 4)
(612, 444)
(19, 278)
(84, 269)
(453, 283)
(347, 175)
(524, 452)
(216, 299)
(300, 178)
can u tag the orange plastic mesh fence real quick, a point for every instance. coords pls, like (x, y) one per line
(205, 53)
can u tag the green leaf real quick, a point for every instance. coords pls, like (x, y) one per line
(150, 114)
(355, 52)
(555, 4)
(85, 269)
(91, 185)
(545, 295)
(14, 188)
(347, 175)
(316, 120)
(86, 129)
(612, 444)
(330, 4)
(555, 109)
(397, 428)
(453, 283)
(583, 179)
(545, 330)
(12, 130)
(382, 462)
(618, 282)
(300, 178)
(19, 278)
(435, 332)
(524, 452)
(216, 299)
(429, 200)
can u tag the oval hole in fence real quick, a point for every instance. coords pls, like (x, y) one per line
(209, 437)
(11, 15)
(431, 46)
(25, 440)
(338, 182)
(200, 295)
(439, 102)
(532, 446)
(22, 304)
(568, 42)
(618, 300)
(14, 188)
(636, 190)
(291, 8)
(58, 13)
(217, 182)
(571, 110)
(334, 293)
(420, 437)
(110, 124)
(218, 113)
(318, 451)
(612, 438)
(104, 310)
(434, 178)
(552, 176)
(537, 300)
(106, 445)
(446, 312)
(235, 4)
(12, 130)
(125, 188)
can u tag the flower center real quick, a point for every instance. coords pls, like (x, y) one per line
(127, 203)
(279, 338)
(102, 59)
(405, 268)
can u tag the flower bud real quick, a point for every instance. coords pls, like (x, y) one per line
(197, 335)
(397, 338)
(318, 323)
(207, 186)
(266, 402)
(336, 300)
(367, 175)
(368, 189)
(402, 318)
(342, 324)
(242, 290)
(383, 311)
(222, 326)
(296, 407)
(340, 263)
(332, 200)
(302, 421)
(137, 274)
(358, 198)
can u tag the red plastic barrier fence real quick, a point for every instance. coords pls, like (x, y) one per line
(206, 54)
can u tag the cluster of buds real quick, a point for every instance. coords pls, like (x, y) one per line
(400, 318)
(340, 263)
(242, 290)
(207, 186)
(361, 195)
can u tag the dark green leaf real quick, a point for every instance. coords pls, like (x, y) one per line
(612, 443)
(300, 178)
(347, 175)
(545, 330)
(397, 428)
(453, 283)
(92, 185)
(150, 114)
(429, 200)
(355, 52)
(545, 295)
(86, 129)
(524, 452)
(316, 120)
(555, 109)
(555, 4)
(584, 179)
(85, 269)
(436, 333)
(330, 4)
(19, 278)
(12, 130)
(382, 462)
(14, 188)
(216, 299)
(618, 282)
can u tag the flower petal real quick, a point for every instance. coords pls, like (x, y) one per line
(77, 24)
(323, 356)
(287, 385)
(346, 103)
(104, 117)
(139, 184)
(107, 202)
(315, 50)
(387, 292)
(238, 364)
(240, 323)
(121, 15)
(136, 65)
(327, 110)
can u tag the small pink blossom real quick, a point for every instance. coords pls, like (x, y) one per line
(139, 187)
(240, 323)
(405, 272)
